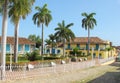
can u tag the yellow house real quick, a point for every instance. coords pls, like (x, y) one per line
(98, 47)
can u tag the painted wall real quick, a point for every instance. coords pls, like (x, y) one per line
(99, 50)
(21, 48)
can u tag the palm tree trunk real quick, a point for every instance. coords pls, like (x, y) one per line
(42, 48)
(64, 47)
(3, 39)
(52, 47)
(88, 41)
(16, 42)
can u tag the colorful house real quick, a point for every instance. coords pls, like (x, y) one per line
(24, 45)
(98, 47)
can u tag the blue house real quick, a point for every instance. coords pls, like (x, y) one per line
(24, 45)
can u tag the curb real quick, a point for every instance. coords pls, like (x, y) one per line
(109, 62)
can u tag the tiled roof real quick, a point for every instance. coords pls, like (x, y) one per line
(10, 40)
(93, 40)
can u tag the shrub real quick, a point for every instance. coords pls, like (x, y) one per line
(33, 56)
(74, 59)
(51, 58)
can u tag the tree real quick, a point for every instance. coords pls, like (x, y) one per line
(88, 22)
(75, 50)
(48, 43)
(42, 17)
(63, 33)
(52, 38)
(19, 9)
(4, 10)
(35, 39)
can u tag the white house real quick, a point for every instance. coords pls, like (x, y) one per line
(24, 45)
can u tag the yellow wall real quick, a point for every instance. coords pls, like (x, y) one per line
(102, 53)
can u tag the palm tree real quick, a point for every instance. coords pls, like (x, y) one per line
(35, 39)
(4, 10)
(42, 17)
(19, 9)
(88, 22)
(48, 43)
(52, 38)
(63, 33)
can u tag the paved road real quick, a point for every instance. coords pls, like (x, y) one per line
(99, 74)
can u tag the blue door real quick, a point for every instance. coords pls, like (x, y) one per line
(53, 51)
(97, 46)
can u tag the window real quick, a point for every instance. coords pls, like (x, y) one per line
(68, 46)
(27, 47)
(19, 47)
(86, 46)
(97, 46)
(53, 51)
(8, 47)
(58, 51)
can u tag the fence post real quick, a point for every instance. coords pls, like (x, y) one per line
(24, 70)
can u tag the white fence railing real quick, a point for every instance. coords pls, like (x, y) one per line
(18, 72)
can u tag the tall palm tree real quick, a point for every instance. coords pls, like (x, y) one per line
(42, 17)
(35, 39)
(4, 10)
(19, 9)
(63, 33)
(52, 38)
(48, 43)
(88, 22)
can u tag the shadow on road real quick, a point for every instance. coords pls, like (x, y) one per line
(109, 77)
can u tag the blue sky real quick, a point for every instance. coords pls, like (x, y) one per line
(107, 16)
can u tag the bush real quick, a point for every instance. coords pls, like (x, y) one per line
(74, 59)
(51, 58)
(33, 56)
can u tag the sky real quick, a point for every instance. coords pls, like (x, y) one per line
(107, 17)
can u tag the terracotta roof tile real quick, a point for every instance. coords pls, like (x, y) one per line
(94, 40)
(10, 40)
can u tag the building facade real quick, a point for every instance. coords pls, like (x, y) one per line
(98, 47)
(24, 45)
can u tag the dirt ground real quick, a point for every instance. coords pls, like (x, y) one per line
(98, 74)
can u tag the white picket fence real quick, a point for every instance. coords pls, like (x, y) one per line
(18, 72)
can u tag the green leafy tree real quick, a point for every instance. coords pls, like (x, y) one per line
(42, 17)
(88, 22)
(35, 39)
(75, 50)
(33, 56)
(17, 10)
(63, 33)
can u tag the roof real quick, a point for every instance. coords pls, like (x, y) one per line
(93, 40)
(21, 40)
